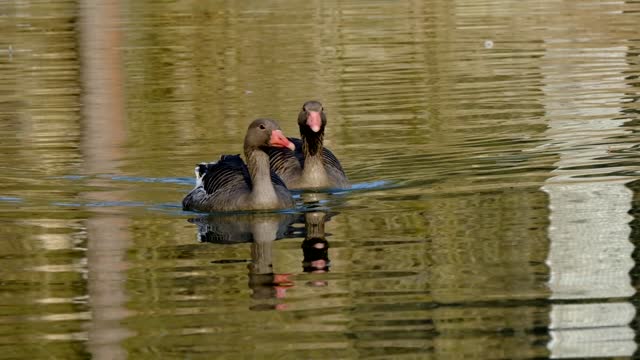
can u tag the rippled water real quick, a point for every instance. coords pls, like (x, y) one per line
(493, 148)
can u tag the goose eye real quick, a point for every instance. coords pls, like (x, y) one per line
(262, 127)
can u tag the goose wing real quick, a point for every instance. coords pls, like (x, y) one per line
(229, 174)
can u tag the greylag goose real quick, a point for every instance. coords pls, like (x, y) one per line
(310, 165)
(230, 185)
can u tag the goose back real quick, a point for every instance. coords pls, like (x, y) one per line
(226, 185)
(220, 185)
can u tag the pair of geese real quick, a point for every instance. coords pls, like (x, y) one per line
(274, 165)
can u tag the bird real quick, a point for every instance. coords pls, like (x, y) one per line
(231, 185)
(310, 165)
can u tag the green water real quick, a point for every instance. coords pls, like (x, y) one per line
(492, 146)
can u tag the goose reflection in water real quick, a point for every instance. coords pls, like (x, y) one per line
(261, 230)
(315, 247)
(244, 228)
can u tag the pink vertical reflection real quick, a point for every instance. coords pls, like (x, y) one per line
(104, 124)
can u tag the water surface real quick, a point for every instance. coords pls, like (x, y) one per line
(492, 146)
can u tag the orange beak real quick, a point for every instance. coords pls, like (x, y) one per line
(279, 140)
(314, 121)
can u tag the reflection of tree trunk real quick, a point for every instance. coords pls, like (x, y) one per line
(105, 132)
(108, 238)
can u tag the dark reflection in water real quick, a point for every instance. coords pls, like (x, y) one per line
(244, 228)
(261, 230)
(315, 246)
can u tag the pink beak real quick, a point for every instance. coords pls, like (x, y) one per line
(314, 121)
(279, 140)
